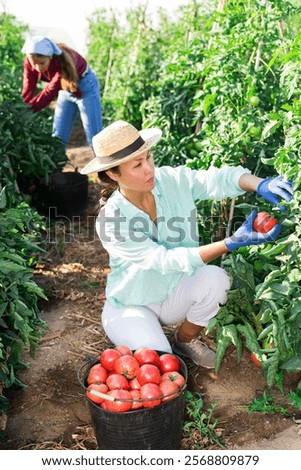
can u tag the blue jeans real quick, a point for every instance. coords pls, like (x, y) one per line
(88, 105)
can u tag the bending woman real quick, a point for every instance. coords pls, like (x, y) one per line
(69, 78)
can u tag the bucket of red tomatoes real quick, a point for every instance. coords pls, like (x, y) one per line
(136, 398)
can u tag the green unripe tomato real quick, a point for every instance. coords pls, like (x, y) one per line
(198, 146)
(246, 140)
(254, 100)
(193, 153)
(255, 131)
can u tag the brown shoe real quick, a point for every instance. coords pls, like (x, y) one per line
(196, 350)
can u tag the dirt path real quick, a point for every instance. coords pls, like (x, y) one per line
(51, 412)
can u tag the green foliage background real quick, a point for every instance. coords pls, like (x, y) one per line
(27, 153)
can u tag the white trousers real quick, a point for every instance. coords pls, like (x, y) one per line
(196, 298)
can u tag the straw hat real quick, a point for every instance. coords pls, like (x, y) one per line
(118, 143)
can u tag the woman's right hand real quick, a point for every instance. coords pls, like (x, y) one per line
(245, 235)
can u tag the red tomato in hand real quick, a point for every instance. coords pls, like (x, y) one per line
(119, 381)
(127, 365)
(117, 405)
(148, 373)
(148, 391)
(263, 223)
(102, 388)
(174, 377)
(108, 358)
(170, 389)
(97, 374)
(147, 356)
(169, 362)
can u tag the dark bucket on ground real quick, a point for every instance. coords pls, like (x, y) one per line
(154, 428)
(65, 195)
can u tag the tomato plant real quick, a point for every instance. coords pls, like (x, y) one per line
(263, 222)
(169, 362)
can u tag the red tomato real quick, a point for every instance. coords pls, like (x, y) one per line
(119, 381)
(169, 362)
(148, 391)
(97, 374)
(174, 377)
(108, 358)
(117, 405)
(170, 389)
(127, 365)
(254, 358)
(134, 384)
(147, 356)
(124, 349)
(102, 388)
(148, 373)
(263, 222)
(136, 395)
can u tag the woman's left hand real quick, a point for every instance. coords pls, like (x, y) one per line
(272, 189)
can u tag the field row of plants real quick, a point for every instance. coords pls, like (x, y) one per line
(223, 83)
(28, 155)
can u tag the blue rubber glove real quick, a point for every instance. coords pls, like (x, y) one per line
(245, 235)
(272, 189)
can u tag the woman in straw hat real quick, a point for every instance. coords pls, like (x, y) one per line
(160, 275)
(69, 78)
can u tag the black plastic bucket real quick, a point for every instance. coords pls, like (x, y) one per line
(66, 194)
(157, 428)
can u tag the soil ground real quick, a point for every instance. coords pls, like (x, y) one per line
(52, 413)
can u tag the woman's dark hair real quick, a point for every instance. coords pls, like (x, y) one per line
(108, 186)
(69, 80)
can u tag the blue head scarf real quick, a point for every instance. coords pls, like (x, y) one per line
(40, 45)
